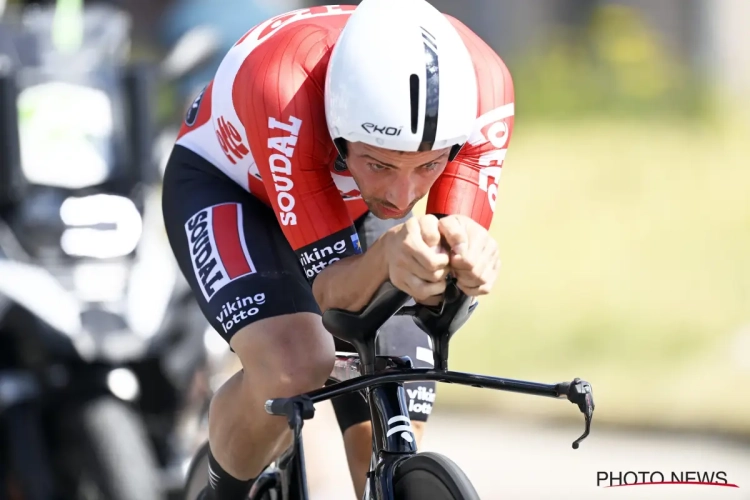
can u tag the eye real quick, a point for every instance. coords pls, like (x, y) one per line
(375, 167)
(431, 167)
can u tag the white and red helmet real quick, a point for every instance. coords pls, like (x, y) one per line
(400, 78)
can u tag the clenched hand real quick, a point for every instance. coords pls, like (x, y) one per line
(474, 256)
(416, 263)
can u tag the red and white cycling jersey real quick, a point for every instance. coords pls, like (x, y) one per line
(262, 122)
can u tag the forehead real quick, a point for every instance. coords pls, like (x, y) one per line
(389, 155)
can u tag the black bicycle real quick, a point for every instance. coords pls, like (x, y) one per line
(397, 471)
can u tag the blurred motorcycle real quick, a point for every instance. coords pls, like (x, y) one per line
(104, 370)
(66, 429)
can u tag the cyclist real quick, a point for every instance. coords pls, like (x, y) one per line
(290, 189)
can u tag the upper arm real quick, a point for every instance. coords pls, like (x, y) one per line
(468, 186)
(281, 106)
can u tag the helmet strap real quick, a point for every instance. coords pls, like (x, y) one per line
(340, 144)
(454, 151)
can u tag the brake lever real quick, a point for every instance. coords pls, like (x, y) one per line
(579, 393)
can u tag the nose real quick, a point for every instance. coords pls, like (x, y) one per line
(401, 193)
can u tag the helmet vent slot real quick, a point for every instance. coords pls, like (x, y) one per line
(414, 94)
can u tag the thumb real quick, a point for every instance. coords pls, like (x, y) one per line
(430, 233)
(454, 233)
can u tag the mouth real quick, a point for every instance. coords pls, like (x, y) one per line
(392, 213)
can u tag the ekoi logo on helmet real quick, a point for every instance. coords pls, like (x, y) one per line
(371, 128)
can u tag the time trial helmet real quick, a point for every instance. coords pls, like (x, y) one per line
(401, 78)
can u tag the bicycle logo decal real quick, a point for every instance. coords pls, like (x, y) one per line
(406, 433)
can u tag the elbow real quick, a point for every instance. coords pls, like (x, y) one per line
(328, 296)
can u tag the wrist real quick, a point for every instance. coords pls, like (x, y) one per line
(381, 247)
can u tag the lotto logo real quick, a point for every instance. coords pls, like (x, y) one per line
(230, 141)
(217, 247)
(423, 394)
(493, 128)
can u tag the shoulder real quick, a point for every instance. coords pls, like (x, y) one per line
(490, 68)
(495, 90)
(286, 49)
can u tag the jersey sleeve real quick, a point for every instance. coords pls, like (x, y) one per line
(279, 98)
(468, 186)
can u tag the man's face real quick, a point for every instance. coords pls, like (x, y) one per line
(392, 182)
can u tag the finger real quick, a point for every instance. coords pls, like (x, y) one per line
(405, 282)
(481, 285)
(434, 300)
(484, 259)
(430, 231)
(417, 230)
(412, 226)
(470, 258)
(431, 271)
(468, 279)
(479, 251)
(454, 233)
(430, 259)
(421, 290)
(484, 269)
(475, 291)
(402, 276)
(461, 262)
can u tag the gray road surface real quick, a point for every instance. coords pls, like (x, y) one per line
(514, 460)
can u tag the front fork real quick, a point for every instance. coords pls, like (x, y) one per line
(393, 438)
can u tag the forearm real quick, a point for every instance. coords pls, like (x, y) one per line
(350, 283)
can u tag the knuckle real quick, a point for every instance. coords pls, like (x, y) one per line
(492, 245)
(426, 219)
(435, 264)
(410, 244)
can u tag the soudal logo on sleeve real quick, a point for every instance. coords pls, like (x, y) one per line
(316, 257)
(281, 143)
(218, 250)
